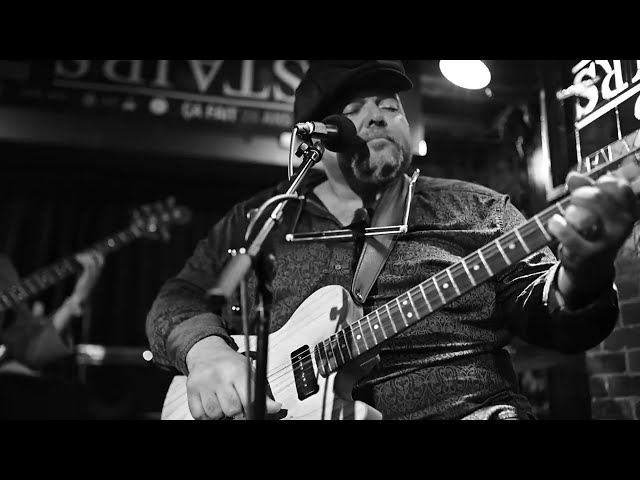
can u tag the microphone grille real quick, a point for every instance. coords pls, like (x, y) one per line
(347, 135)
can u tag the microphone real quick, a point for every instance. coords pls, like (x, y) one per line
(337, 131)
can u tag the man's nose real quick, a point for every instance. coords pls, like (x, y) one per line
(376, 118)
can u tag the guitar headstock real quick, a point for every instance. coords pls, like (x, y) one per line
(623, 160)
(630, 171)
(619, 159)
(155, 219)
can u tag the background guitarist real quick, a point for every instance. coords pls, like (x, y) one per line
(450, 365)
(33, 341)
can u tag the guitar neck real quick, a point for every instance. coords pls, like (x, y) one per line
(437, 291)
(448, 285)
(44, 278)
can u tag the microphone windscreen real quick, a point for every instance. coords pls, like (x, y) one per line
(347, 135)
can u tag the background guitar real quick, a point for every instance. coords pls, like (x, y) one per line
(151, 221)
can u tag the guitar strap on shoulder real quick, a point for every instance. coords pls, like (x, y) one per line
(376, 249)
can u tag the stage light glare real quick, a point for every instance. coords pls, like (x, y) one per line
(285, 140)
(422, 148)
(471, 74)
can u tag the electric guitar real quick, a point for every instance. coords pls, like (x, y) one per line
(150, 220)
(315, 359)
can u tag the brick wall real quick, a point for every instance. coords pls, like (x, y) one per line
(614, 365)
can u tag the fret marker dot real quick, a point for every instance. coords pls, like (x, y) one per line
(409, 314)
(512, 246)
(358, 337)
(445, 285)
(476, 267)
(404, 303)
(375, 326)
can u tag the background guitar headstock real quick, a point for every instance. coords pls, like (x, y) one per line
(155, 219)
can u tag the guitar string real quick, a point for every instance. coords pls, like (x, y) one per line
(490, 251)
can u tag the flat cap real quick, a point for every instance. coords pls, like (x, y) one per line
(325, 81)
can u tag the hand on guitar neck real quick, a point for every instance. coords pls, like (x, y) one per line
(92, 262)
(595, 225)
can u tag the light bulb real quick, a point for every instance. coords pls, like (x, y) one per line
(471, 74)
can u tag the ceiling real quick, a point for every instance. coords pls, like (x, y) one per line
(454, 112)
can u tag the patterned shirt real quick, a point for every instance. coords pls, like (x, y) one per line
(450, 364)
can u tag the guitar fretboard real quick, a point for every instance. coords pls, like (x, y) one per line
(63, 268)
(449, 284)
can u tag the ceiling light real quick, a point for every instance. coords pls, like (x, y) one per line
(422, 148)
(472, 74)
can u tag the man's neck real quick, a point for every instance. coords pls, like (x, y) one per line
(341, 200)
(358, 194)
(343, 192)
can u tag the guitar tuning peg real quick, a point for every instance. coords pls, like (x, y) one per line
(146, 208)
(136, 215)
(164, 234)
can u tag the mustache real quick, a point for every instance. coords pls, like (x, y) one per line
(372, 135)
(360, 147)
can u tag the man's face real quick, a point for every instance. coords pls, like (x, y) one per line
(381, 123)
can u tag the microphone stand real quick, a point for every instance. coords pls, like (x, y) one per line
(238, 266)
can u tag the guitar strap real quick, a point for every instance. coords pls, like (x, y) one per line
(376, 249)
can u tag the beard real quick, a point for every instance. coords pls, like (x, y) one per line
(371, 167)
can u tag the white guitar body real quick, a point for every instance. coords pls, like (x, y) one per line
(318, 317)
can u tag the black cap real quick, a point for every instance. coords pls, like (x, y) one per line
(326, 80)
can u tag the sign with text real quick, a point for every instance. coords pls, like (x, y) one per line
(254, 94)
(596, 108)
(607, 105)
(607, 84)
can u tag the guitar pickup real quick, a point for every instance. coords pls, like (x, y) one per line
(303, 373)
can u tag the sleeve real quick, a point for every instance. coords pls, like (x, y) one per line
(180, 315)
(533, 308)
(35, 342)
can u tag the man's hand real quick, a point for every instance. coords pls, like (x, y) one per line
(92, 262)
(596, 224)
(217, 381)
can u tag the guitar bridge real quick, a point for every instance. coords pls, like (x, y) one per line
(303, 373)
